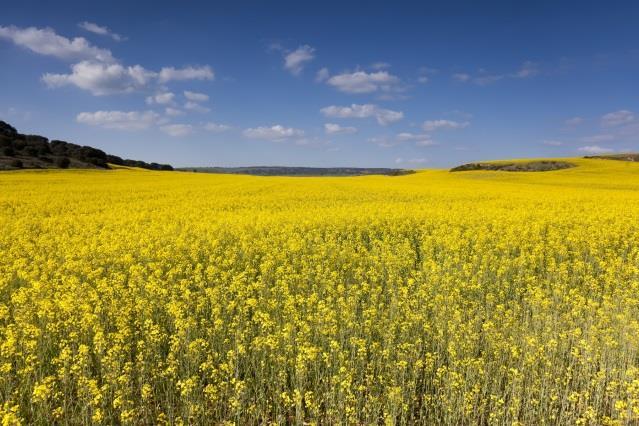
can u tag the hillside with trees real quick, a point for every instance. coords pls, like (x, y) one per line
(19, 151)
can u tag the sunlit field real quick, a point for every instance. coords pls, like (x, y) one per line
(142, 297)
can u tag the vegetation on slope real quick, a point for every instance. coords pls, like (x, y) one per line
(517, 166)
(18, 151)
(630, 156)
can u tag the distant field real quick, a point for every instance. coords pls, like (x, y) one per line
(143, 297)
(299, 171)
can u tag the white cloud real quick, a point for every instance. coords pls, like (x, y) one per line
(173, 112)
(574, 121)
(196, 97)
(597, 138)
(106, 79)
(275, 133)
(552, 142)
(97, 29)
(194, 106)
(617, 118)
(216, 128)
(322, 75)
(295, 61)
(432, 125)
(46, 42)
(164, 98)
(383, 116)
(363, 82)
(189, 73)
(177, 130)
(102, 79)
(336, 129)
(120, 120)
(594, 149)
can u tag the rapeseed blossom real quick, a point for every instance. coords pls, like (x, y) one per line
(140, 297)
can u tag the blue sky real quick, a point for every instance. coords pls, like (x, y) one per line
(389, 84)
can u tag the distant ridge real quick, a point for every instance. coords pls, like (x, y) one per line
(518, 166)
(629, 156)
(18, 151)
(299, 171)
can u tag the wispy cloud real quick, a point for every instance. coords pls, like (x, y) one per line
(216, 128)
(177, 130)
(433, 125)
(120, 120)
(604, 137)
(573, 122)
(100, 30)
(483, 78)
(45, 41)
(595, 149)
(295, 61)
(617, 118)
(336, 129)
(196, 97)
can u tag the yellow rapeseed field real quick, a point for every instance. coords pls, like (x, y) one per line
(140, 297)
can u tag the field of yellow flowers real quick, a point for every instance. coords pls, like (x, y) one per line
(140, 297)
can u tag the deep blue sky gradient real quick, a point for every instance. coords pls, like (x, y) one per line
(585, 56)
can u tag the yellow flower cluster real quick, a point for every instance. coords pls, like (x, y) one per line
(137, 297)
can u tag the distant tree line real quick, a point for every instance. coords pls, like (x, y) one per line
(59, 153)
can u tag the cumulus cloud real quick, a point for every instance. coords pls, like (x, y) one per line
(595, 149)
(363, 82)
(45, 41)
(275, 133)
(164, 98)
(177, 130)
(432, 125)
(102, 79)
(383, 116)
(295, 61)
(97, 29)
(120, 120)
(188, 73)
(617, 118)
(336, 129)
(216, 128)
(196, 97)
